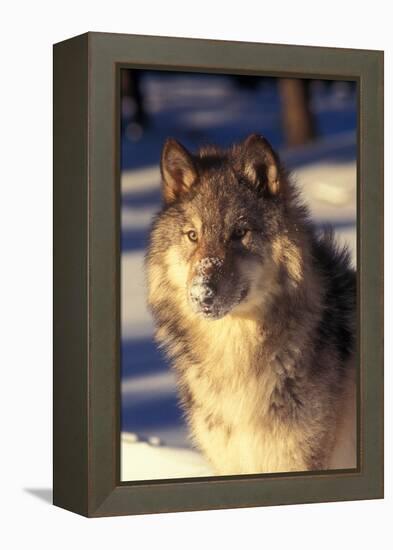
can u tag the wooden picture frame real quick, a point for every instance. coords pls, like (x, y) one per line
(87, 274)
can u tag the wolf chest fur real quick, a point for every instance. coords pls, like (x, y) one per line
(256, 311)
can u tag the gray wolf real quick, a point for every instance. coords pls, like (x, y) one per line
(256, 310)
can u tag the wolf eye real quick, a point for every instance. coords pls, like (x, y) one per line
(239, 233)
(192, 235)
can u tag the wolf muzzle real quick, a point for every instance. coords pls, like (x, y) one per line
(203, 289)
(202, 295)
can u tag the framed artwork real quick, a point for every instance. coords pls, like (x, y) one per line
(218, 274)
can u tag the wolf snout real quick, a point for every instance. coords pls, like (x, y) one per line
(202, 295)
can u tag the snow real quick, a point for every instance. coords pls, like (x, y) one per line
(143, 388)
(330, 191)
(135, 320)
(142, 460)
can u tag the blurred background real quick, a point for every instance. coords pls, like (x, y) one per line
(311, 123)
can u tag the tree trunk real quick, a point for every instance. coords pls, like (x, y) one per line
(298, 121)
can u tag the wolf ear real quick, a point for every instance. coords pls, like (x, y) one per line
(177, 170)
(261, 164)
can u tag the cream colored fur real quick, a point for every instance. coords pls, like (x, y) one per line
(238, 395)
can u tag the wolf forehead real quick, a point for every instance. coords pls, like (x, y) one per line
(218, 172)
(219, 190)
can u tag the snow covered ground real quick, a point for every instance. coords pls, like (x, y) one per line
(198, 111)
(141, 460)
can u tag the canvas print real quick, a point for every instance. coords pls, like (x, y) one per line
(238, 275)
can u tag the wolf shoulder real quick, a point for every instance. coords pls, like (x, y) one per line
(337, 325)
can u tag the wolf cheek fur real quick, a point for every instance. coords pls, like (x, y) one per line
(256, 312)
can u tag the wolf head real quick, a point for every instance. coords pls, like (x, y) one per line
(218, 236)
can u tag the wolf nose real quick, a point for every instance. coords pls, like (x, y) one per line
(206, 300)
(206, 296)
(203, 294)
